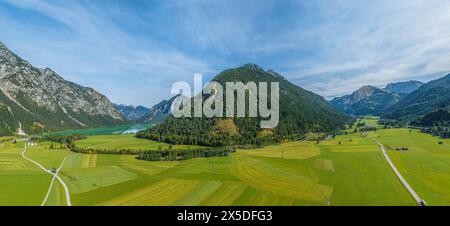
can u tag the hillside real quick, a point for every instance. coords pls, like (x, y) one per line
(403, 87)
(301, 112)
(430, 97)
(368, 100)
(130, 112)
(157, 113)
(42, 100)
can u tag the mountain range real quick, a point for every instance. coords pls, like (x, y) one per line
(301, 112)
(158, 113)
(371, 100)
(41, 100)
(403, 87)
(130, 112)
(141, 114)
(430, 97)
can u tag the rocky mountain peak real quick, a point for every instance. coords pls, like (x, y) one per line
(365, 91)
(275, 74)
(252, 67)
(367, 100)
(48, 99)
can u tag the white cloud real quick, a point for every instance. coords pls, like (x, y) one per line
(330, 47)
(390, 41)
(99, 53)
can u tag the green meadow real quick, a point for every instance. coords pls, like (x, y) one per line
(426, 166)
(347, 170)
(21, 183)
(127, 141)
(371, 121)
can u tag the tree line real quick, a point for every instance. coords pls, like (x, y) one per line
(147, 155)
(177, 155)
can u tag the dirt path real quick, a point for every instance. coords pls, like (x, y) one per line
(55, 175)
(411, 191)
(53, 181)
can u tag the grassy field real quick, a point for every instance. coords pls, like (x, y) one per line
(298, 173)
(127, 141)
(21, 183)
(426, 166)
(346, 170)
(304, 173)
(372, 121)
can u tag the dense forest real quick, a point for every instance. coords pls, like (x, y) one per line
(177, 155)
(301, 112)
(436, 123)
(429, 98)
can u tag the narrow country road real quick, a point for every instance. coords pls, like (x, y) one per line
(55, 175)
(400, 177)
(53, 181)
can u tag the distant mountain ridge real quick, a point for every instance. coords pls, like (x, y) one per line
(301, 112)
(158, 113)
(368, 100)
(403, 87)
(430, 97)
(42, 100)
(131, 112)
(371, 100)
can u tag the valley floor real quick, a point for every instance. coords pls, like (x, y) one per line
(347, 170)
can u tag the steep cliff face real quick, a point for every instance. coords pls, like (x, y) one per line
(42, 97)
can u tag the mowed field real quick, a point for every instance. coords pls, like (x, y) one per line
(128, 141)
(426, 166)
(21, 182)
(297, 173)
(372, 121)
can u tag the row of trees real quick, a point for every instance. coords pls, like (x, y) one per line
(148, 155)
(68, 139)
(159, 155)
(76, 149)
(440, 131)
(176, 155)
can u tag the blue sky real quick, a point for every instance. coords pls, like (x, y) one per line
(134, 50)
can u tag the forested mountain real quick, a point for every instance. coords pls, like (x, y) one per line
(430, 97)
(131, 112)
(42, 100)
(437, 118)
(403, 87)
(158, 113)
(368, 100)
(301, 112)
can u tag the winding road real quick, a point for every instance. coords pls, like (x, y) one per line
(55, 175)
(411, 191)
